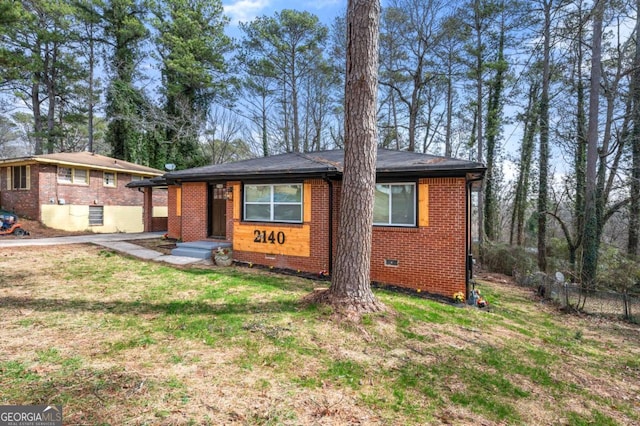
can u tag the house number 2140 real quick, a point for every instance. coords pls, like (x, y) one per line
(271, 237)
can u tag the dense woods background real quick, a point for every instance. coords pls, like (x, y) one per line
(546, 93)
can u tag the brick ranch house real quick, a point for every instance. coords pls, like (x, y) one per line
(282, 211)
(81, 191)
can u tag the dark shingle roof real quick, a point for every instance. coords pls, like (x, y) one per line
(328, 163)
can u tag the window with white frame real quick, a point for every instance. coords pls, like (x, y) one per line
(273, 203)
(109, 179)
(395, 204)
(72, 175)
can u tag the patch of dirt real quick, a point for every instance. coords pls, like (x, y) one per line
(38, 230)
(162, 245)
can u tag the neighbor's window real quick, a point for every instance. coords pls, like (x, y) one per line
(20, 178)
(109, 179)
(395, 204)
(72, 175)
(273, 203)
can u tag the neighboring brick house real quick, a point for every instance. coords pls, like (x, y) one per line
(79, 191)
(282, 211)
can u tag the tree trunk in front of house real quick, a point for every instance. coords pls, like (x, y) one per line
(350, 290)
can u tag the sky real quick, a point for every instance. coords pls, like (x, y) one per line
(247, 10)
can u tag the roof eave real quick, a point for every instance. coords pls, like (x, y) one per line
(32, 160)
(97, 167)
(432, 172)
(204, 177)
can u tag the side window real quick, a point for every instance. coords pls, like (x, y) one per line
(109, 179)
(80, 176)
(395, 204)
(71, 175)
(65, 175)
(20, 177)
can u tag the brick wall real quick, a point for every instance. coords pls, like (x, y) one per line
(194, 211)
(431, 258)
(160, 197)
(22, 202)
(95, 193)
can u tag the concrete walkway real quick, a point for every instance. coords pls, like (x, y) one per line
(117, 242)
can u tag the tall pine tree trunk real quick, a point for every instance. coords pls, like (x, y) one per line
(634, 205)
(448, 151)
(479, 125)
(37, 116)
(350, 287)
(494, 112)
(580, 163)
(543, 191)
(590, 239)
(526, 155)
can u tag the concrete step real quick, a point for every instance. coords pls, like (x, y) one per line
(191, 252)
(205, 245)
(198, 249)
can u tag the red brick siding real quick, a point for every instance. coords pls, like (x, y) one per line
(93, 194)
(194, 211)
(23, 202)
(160, 197)
(431, 258)
(159, 224)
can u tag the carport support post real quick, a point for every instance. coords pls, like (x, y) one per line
(147, 209)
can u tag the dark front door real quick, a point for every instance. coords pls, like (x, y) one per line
(218, 211)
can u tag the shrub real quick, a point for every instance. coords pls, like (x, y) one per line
(618, 272)
(508, 260)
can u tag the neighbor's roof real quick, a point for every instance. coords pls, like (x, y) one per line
(85, 159)
(329, 164)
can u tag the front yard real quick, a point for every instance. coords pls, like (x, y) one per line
(121, 341)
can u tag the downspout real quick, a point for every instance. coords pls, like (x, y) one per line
(330, 256)
(469, 242)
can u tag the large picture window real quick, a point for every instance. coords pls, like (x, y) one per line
(273, 203)
(395, 204)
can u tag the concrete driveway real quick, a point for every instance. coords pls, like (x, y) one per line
(78, 239)
(117, 242)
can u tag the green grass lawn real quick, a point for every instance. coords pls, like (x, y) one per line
(121, 341)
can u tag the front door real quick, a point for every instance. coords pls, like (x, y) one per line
(218, 211)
